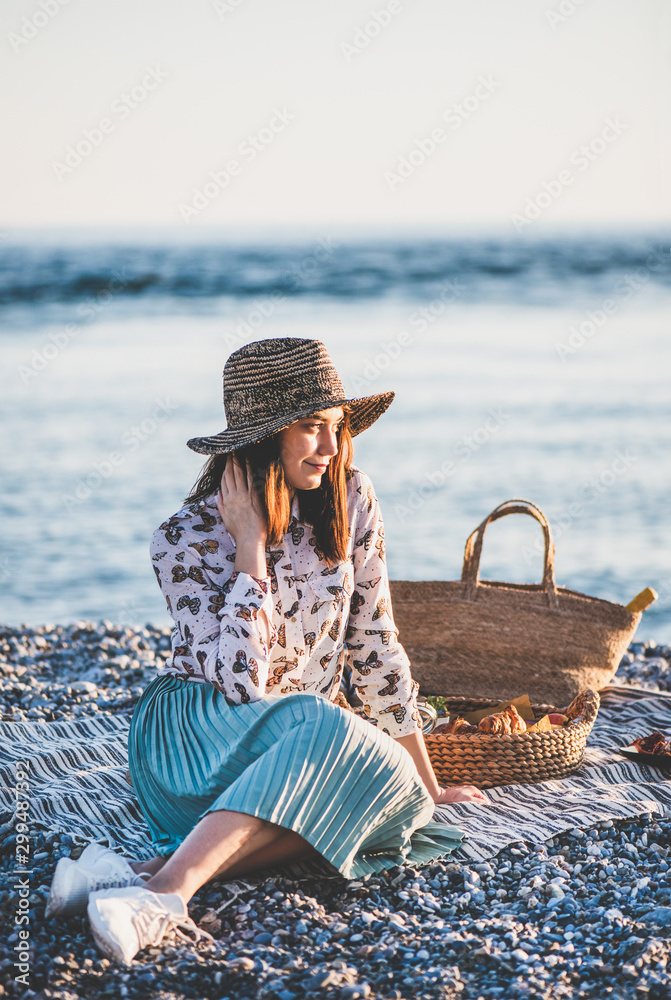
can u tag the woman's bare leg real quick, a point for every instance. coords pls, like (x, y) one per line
(287, 848)
(150, 867)
(222, 841)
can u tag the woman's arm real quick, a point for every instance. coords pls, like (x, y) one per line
(239, 509)
(224, 625)
(416, 747)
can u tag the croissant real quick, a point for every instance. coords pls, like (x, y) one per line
(495, 725)
(503, 723)
(517, 723)
(457, 725)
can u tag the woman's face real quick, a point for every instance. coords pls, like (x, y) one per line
(307, 446)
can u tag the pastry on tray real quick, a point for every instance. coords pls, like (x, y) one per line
(457, 726)
(497, 724)
(502, 723)
(655, 744)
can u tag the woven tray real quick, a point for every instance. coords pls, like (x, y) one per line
(520, 758)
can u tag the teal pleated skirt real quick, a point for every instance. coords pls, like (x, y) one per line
(300, 761)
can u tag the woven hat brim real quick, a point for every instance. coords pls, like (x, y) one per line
(364, 412)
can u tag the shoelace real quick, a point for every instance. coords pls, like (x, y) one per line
(154, 924)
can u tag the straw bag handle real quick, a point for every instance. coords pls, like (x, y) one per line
(470, 574)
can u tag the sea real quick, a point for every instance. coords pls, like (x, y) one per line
(528, 366)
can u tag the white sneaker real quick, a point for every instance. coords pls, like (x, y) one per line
(97, 868)
(124, 921)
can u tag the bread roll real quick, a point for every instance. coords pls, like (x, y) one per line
(456, 726)
(503, 723)
(655, 743)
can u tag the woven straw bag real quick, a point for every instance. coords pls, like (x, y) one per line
(500, 640)
(520, 758)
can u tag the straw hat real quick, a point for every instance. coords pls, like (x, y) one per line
(271, 383)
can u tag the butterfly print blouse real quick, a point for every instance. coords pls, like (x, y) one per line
(321, 617)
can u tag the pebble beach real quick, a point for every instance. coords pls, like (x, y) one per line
(586, 914)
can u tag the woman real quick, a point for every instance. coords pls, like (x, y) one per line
(274, 575)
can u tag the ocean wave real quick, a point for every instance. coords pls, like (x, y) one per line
(475, 269)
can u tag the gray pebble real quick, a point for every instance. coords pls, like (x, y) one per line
(661, 916)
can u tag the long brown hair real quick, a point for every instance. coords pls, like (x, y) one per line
(324, 508)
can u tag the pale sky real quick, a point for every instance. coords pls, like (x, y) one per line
(492, 108)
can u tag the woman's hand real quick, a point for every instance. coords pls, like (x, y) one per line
(461, 793)
(238, 504)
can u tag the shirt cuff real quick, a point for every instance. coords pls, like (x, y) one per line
(398, 730)
(246, 597)
(244, 589)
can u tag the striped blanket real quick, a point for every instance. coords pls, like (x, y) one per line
(78, 782)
